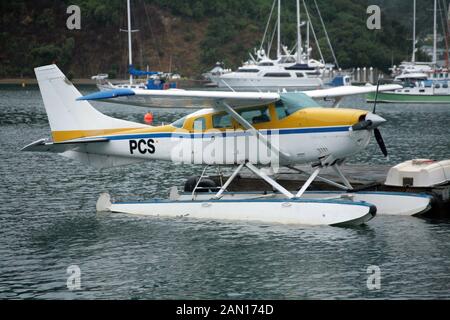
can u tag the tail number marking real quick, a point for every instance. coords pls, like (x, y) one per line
(142, 146)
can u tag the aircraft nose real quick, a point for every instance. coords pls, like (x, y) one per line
(371, 121)
(375, 119)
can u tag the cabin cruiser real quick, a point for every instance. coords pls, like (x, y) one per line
(291, 69)
(267, 74)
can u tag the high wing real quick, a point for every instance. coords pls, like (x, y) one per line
(340, 92)
(176, 98)
(195, 99)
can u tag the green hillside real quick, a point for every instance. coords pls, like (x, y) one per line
(190, 36)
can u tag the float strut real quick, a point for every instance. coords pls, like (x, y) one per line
(341, 175)
(308, 183)
(230, 179)
(269, 180)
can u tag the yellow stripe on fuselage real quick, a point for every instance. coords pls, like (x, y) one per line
(308, 117)
(59, 136)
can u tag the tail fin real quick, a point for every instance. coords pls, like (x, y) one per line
(70, 119)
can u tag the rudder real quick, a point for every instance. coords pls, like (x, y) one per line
(71, 119)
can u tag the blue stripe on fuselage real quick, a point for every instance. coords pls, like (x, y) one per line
(226, 133)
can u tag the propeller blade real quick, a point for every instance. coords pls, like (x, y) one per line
(380, 141)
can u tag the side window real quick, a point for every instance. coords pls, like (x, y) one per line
(221, 121)
(281, 110)
(254, 116)
(284, 110)
(199, 124)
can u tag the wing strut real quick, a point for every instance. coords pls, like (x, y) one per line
(244, 123)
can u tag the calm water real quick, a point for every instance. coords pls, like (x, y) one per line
(48, 222)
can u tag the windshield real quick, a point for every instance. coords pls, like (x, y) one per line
(179, 123)
(296, 100)
(292, 102)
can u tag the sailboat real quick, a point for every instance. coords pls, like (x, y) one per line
(288, 71)
(423, 82)
(154, 80)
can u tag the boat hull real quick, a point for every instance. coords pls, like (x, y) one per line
(262, 83)
(391, 97)
(280, 211)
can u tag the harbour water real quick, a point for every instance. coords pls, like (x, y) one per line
(48, 222)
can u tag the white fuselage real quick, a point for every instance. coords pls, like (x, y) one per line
(301, 145)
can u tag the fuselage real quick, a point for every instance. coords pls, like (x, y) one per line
(208, 136)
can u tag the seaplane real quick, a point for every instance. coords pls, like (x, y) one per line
(259, 131)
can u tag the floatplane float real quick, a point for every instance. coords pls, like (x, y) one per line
(253, 130)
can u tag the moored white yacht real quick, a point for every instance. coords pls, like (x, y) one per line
(267, 75)
(287, 71)
(424, 82)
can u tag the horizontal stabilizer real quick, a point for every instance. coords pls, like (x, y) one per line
(78, 150)
(45, 145)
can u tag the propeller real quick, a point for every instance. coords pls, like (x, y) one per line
(376, 131)
(371, 122)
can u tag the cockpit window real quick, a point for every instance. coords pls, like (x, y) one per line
(292, 102)
(222, 120)
(179, 123)
(256, 115)
(199, 124)
(281, 110)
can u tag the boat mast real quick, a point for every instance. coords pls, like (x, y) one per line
(307, 40)
(299, 35)
(326, 35)
(266, 30)
(313, 32)
(447, 32)
(130, 53)
(435, 35)
(413, 59)
(279, 31)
